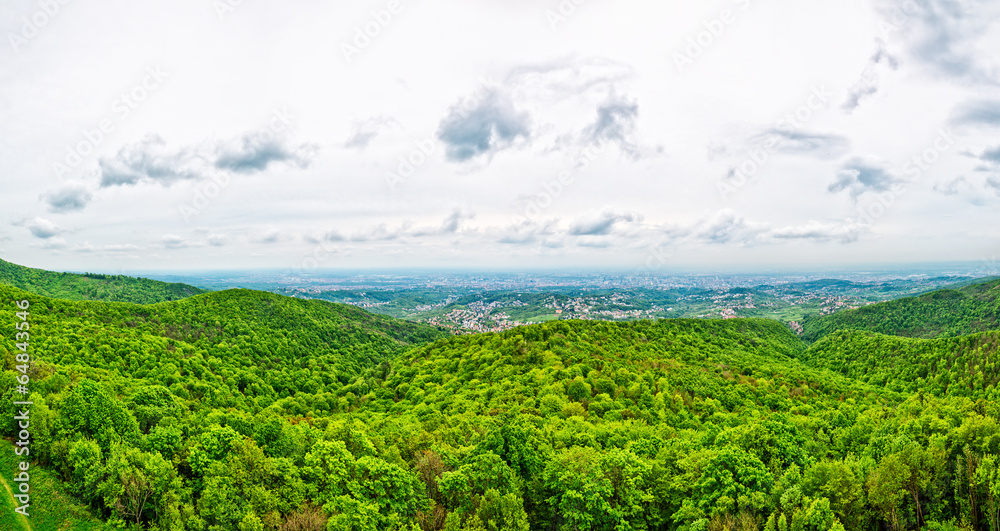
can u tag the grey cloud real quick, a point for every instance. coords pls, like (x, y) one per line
(527, 231)
(845, 232)
(269, 236)
(615, 123)
(491, 126)
(989, 159)
(567, 77)
(943, 34)
(947, 28)
(881, 55)
(255, 152)
(726, 226)
(860, 175)
(68, 198)
(592, 242)
(450, 225)
(218, 240)
(328, 236)
(868, 84)
(148, 160)
(864, 87)
(41, 227)
(602, 223)
(979, 112)
(804, 143)
(365, 131)
(151, 160)
(991, 155)
(950, 187)
(379, 233)
(518, 237)
(173, 241)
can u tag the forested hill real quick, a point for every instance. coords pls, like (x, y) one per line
(943, 313)
(245, 410)
(955, 366)
(90, 286)
(234, 347)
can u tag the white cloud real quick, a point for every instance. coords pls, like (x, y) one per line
(508, 121)
(602, 223)
(41, 228)
(173, 241)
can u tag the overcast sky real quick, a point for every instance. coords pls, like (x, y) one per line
(629, 134)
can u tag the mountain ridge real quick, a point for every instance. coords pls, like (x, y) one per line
(93, 286)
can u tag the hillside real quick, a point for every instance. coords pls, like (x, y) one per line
(246, 410)
(943, 313)
(245, 348)
(72, 286)
(736, 363)
(956, 366)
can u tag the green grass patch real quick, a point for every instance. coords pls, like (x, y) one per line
(51, 508)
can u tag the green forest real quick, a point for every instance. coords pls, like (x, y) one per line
(92, 286)
(250, 411)
(941, 313)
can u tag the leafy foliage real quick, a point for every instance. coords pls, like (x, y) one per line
(250, 411)
(943, 313)
(960, 366)
(93, 286)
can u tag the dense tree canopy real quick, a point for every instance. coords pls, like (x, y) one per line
(246, 410)
(93, 286)
(942, 313)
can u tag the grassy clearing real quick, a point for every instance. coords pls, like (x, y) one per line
(51, 508)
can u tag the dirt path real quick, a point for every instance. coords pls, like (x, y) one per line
(24, 519)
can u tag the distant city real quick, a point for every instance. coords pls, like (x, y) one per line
(471, 302)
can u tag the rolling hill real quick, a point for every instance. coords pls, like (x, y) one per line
(90, 286)
(954, 366)
(241, 409)
(942, 313)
